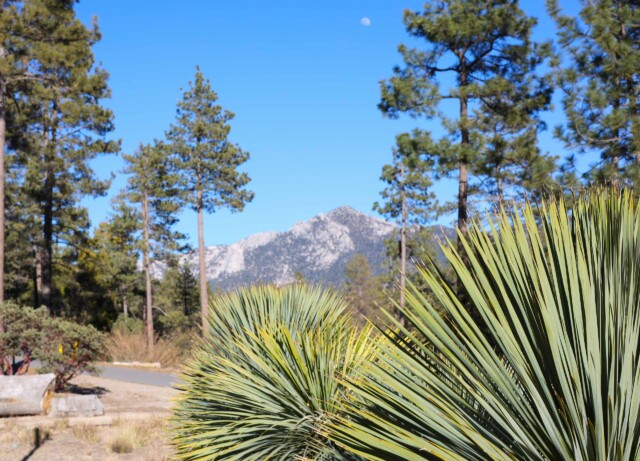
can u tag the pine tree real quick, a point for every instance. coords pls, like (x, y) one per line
(8, 72)
(512, 167)
(482, 52)
(64, 128)
(408, 198)
(207, 162)
(19, 37)
(150, 186)
(118, 239)
(601, 87)
(362, 289)
(177, 296)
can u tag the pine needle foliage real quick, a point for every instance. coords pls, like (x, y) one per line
(557, 376)
(266, 375)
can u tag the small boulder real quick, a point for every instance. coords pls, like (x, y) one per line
(76, 405)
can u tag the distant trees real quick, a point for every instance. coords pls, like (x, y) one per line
(478, 55)
(362, 289)
(117, 239)
(206, 163)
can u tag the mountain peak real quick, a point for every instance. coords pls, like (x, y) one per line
(318, 248)
(344, 209)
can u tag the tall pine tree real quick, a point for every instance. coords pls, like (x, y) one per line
(65, 128)
(9, 71)
(408, 199)
(481, 51)
(601, 87)
(206, 162)
(151, 188)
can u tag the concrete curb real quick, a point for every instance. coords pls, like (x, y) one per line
(138, 364)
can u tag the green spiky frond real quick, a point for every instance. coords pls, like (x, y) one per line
(558, 377)
(266, 375)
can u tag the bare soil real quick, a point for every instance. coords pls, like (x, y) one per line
(134, 427)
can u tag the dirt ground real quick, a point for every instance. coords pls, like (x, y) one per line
(134, 427)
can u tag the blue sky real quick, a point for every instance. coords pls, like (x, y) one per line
(302, 79)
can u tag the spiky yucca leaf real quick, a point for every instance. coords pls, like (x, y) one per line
(236, 315)
(558, 379)
(261, 389)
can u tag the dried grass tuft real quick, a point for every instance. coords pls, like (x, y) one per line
(132, 347)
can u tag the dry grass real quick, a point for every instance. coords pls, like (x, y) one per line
(156, 452)
(132, 347)
(122, 443)
(61, 424)
(86, 433)
(31, 436)
(135, 434)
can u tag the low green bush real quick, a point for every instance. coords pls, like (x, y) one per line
(63, 347)
(127, 325)
(69, 349)
(21, 338)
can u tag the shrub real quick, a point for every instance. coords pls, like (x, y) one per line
(175, 322)
(557, 375)
(127, 325)
(264, 377)
(64, 348)
(23, 328)
(69, 349)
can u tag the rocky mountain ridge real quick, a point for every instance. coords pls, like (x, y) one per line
(318, 249)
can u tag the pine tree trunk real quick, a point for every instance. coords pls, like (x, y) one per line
(403, 237)
(46, 257)
(463, 181)
(37, 277)
(147, 271)
(125, 306)
(201, 264)
(3, 127)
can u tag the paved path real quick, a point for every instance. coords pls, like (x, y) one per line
(131, 375)
(134, 375)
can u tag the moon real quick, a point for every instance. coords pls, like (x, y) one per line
(365, 21)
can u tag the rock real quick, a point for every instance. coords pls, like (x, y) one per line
(76, 405)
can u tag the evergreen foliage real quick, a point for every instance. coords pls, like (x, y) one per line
(408, 181)
(151, 187)
(118, 252)
(484, 50)
(408, 198)
(177, 298)
(206, 162)
(601, 87)
(363, 291)
(59, 127)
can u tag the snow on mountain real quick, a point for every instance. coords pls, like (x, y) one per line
(319, 249)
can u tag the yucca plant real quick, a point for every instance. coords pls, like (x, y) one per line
(556, 376)
(265, 376)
